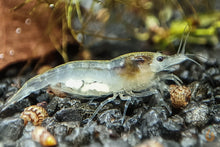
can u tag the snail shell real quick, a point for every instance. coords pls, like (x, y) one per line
(150, 143)
(179, 95)
(41, 135)
(35, 114)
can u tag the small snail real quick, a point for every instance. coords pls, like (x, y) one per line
(41, 135)
(179, 95)
(35, 114)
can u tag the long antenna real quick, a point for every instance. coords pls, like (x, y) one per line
(182, 46)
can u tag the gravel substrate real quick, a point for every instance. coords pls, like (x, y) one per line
(150, 121)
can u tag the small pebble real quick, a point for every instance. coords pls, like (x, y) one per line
(11, 128)
(68, 114)
(28, 143)
(197, 116)
(189, 138)
(174, 124)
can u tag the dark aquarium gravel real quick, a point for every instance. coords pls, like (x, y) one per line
(150, 121)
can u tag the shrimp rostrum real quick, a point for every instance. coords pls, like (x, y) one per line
(93, 79)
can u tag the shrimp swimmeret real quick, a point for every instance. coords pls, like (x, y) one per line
(93, 79)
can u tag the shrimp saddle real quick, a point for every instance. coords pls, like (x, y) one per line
(93, 79)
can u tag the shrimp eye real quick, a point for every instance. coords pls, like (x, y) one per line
(160, 58)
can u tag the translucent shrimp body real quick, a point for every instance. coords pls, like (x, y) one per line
(93, 79)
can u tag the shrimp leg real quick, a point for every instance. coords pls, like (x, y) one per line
(128, 101)
(108, 100)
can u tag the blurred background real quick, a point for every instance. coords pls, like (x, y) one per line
(50, 32)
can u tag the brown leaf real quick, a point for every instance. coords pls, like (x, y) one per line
(23, 32)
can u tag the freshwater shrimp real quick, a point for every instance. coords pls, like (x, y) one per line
(93, 79)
